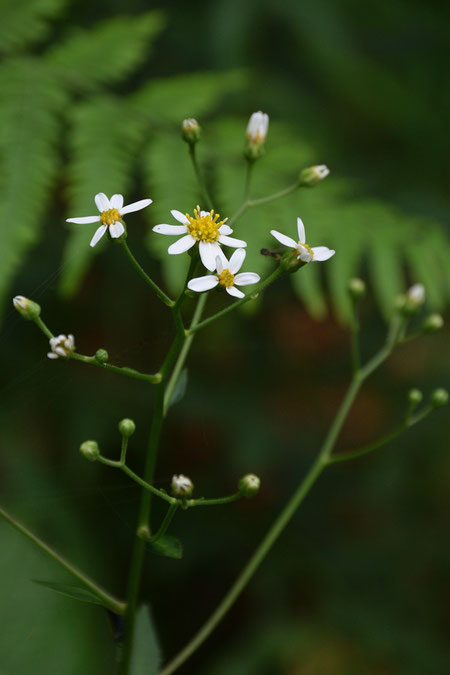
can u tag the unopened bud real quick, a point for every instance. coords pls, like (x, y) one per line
(26, 307)
(256, 135)
(90, 450)
(432, 323)
(182, 486)
(414, 298)
(313, 175)
(127, 427)
(414, 397)
(101, 355)
(356, 288)
(439, 397)
(249, 485)
(190, 130)
(62, 346)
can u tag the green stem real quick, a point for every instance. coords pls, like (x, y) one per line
(123, 450)
(261, 286)
(354, 331)
(198, 173)
(250, 203)
(171, 385)
(137, 479)
(214, 502)
(160, 293)
(40, 324)
(120, 370)
(109, 600)
(166, 522)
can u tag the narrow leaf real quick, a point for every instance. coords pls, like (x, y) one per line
(146, 657)
(168, 546)
(72, 591)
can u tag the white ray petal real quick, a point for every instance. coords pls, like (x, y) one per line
(221, 262)
(179, 216)
(232, 290)
(236, 260)
(116, 202)
(209, 251)
(301, 231)
(135, 206)
(116, 230)
(51, 355)
(182, 245)
(231, 241)
(98, 234)
(102, 202)
(170, 229)
(322, 253)
(205, 213)
(203, 283)
(283, 239)
(246, 278)
(225, 229)
(83, 220)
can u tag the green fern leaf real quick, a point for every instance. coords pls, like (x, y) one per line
(107, 53)
(104, 143)
(28, 158)
(25, 22)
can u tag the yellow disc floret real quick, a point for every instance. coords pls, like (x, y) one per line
(226, 278)
(206, 227)
(109, 217)
(308, 249)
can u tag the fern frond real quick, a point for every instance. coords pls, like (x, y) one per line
(29, 130)
(107, 53)
(104, 142)
(25, 22)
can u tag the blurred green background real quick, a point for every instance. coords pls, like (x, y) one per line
(91, 100)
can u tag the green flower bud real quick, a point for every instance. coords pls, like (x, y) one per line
(290, 261)
(190, 131)
(90, 450)
(101, 355)
(313, 175)
(432, 323)
(249, 485)
(127, 427)
(415, 396)
(257, 128)
(413, 300)
(27, 308)
(439, 397)
(182, 486)
(356, 288)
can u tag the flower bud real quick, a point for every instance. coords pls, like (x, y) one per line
(313, 175)
(182, 486)
(356, 288)
(90, 450)
(414, 397)
(61, 346)
(249, 485)
(439, 397)
(127, 427)
(432, 323)
(290, 261)
(27, 308)
(414, 298)
(190, 130)
(256, 135)
(101, 355)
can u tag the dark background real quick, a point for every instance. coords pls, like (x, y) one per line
(358, 583)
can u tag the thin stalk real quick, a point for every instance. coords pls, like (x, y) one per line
(214, 502)
(165, 523)
(261, 286)
(119, 370)
(159, 292)
(123, 450)
(40, 324)
(354, 337)
(109, 600)
(137, 479)
(198, 173)
(250, 203)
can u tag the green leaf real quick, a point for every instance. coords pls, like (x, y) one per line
(168, 546)
(146, 657)
(82, 63)
(104, 142)
(72, 591)
(26, 21)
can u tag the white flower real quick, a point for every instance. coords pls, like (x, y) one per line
(306, 253)
(182, 486)
(416, 295)
(226, 275)
(111, 212)
(62, 346)
(204, 227)
(257, 127)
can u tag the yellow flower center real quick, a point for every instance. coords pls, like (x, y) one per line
(226, 278)
(308, 248)
(109, 217)
(204, 228)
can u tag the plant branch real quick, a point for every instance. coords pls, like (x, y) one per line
(160, 293)
(250, 203)
(119, 370)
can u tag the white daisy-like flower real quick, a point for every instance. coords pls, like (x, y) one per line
(305, 253)
(62, 346)
(182, 486)
(226, 275)
(111, 212)
(203, 227)
(257, 127)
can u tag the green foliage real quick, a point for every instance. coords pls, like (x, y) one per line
(168, 546)
(72, 591)
(26, 21)
(146, 658)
